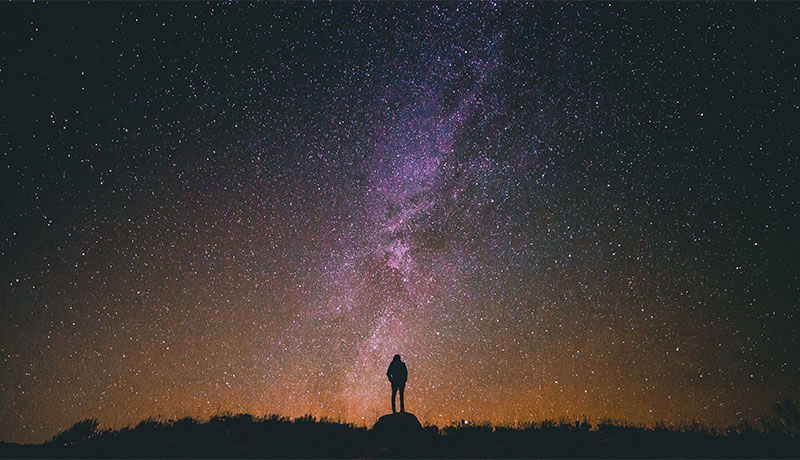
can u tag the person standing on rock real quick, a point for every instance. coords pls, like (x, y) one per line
(398, 374)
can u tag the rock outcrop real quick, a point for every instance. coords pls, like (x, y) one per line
(396, 435)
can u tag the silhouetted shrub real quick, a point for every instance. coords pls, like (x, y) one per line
(784, 419)
(81, 431)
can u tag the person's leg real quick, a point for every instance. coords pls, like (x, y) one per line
(394, 393)
(402, 397)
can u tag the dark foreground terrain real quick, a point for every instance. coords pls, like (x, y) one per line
(243, 436)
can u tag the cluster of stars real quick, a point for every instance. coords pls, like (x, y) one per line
(548, 210)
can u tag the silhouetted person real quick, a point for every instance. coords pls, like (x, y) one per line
(398, 374)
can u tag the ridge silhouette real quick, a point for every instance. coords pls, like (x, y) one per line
(245, 436)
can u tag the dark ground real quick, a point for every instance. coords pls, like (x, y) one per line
(243, 436)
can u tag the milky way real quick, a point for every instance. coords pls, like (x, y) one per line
(548, 210)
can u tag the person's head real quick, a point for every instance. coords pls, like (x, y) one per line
(397, 357)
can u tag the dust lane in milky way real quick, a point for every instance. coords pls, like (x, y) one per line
(547, 210)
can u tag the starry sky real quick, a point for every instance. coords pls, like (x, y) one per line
(549, 210)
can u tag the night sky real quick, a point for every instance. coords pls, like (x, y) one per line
(548, 210)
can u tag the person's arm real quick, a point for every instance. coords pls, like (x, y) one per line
(389, 373)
